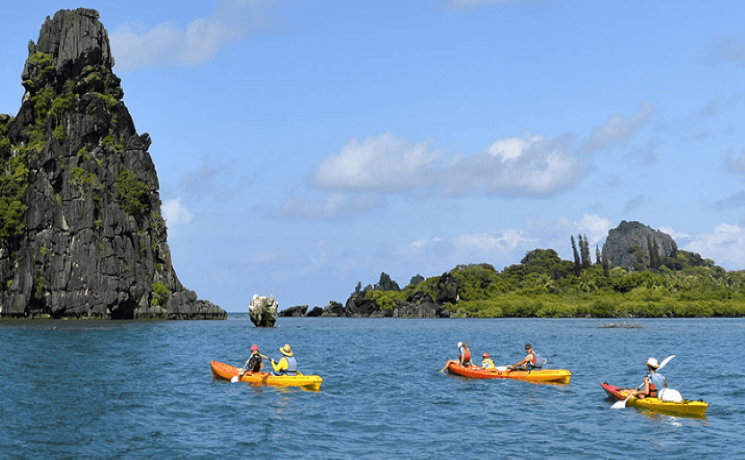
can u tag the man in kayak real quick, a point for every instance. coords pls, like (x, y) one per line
(287, 364)
(530, 362)
(254, 362)
(486, 361)
(653, 382)
(464, 357)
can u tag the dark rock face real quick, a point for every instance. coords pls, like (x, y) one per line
(360, 307)
(334, 309)
(447, 289)
(82, 233)
(628, 245)
(294, 311)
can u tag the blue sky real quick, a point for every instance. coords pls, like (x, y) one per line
(303, 146)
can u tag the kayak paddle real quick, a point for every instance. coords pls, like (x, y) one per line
(236, 378)
(622, 404)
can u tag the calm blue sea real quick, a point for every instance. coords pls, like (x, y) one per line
(106, 389)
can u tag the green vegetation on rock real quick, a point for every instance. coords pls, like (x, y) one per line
(160, 295)
(133, 192)
(545, 286)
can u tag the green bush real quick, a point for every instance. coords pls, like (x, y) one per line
(134, 194)
(160, 295)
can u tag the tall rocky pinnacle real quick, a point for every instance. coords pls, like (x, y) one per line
(81, 231)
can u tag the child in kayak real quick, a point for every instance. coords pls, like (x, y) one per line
(464, 357)
(254, 362)
(487, 362)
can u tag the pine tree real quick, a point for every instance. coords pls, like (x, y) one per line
(584, 247)
(577, 264)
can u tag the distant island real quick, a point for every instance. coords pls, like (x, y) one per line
(640, 273)
(81, 230)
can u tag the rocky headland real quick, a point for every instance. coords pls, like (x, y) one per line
(81, 230)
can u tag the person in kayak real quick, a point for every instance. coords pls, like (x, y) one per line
(530, 362)
(653, 382)
(287, 364)
(254, 362)
(486, 361)
(464, 357)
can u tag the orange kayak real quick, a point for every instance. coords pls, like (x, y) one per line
(227, 372)
(536, 375)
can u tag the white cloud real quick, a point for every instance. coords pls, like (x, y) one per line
(134, 46)
(175, 213)
(528, 166)
(676, 235)
(337, 205)
(617, 130)
(384, 163)
(726, 246)
(596, 226)
(503, 242)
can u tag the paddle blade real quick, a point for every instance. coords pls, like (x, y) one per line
(619, 404)
(234, 379)
(665, 361)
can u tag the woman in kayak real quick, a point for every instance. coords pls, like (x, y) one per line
(464, 357)
(653, 382)
(287, 364)
(530, 362)
(254, 362)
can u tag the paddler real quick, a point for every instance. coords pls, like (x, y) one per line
(464, 357)
(287, 364)
(530, 362)
(254, 362)
(486, 361)
(653, 381)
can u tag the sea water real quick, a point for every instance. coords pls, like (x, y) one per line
(129, 389)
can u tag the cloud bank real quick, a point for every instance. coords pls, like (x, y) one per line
(170, 45)
(527, 166)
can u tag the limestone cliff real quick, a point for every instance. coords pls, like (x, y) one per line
(81, 231)
(635, 246)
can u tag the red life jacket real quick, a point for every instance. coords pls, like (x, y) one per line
(652, 390)
(467, 358)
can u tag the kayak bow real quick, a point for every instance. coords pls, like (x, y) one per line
(227, 372)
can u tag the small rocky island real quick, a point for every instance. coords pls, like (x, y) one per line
(81, 230)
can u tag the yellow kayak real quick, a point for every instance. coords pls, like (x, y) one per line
(227, 372)
(685, 407)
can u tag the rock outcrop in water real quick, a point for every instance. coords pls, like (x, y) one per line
(81, 230)
(263, 311)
